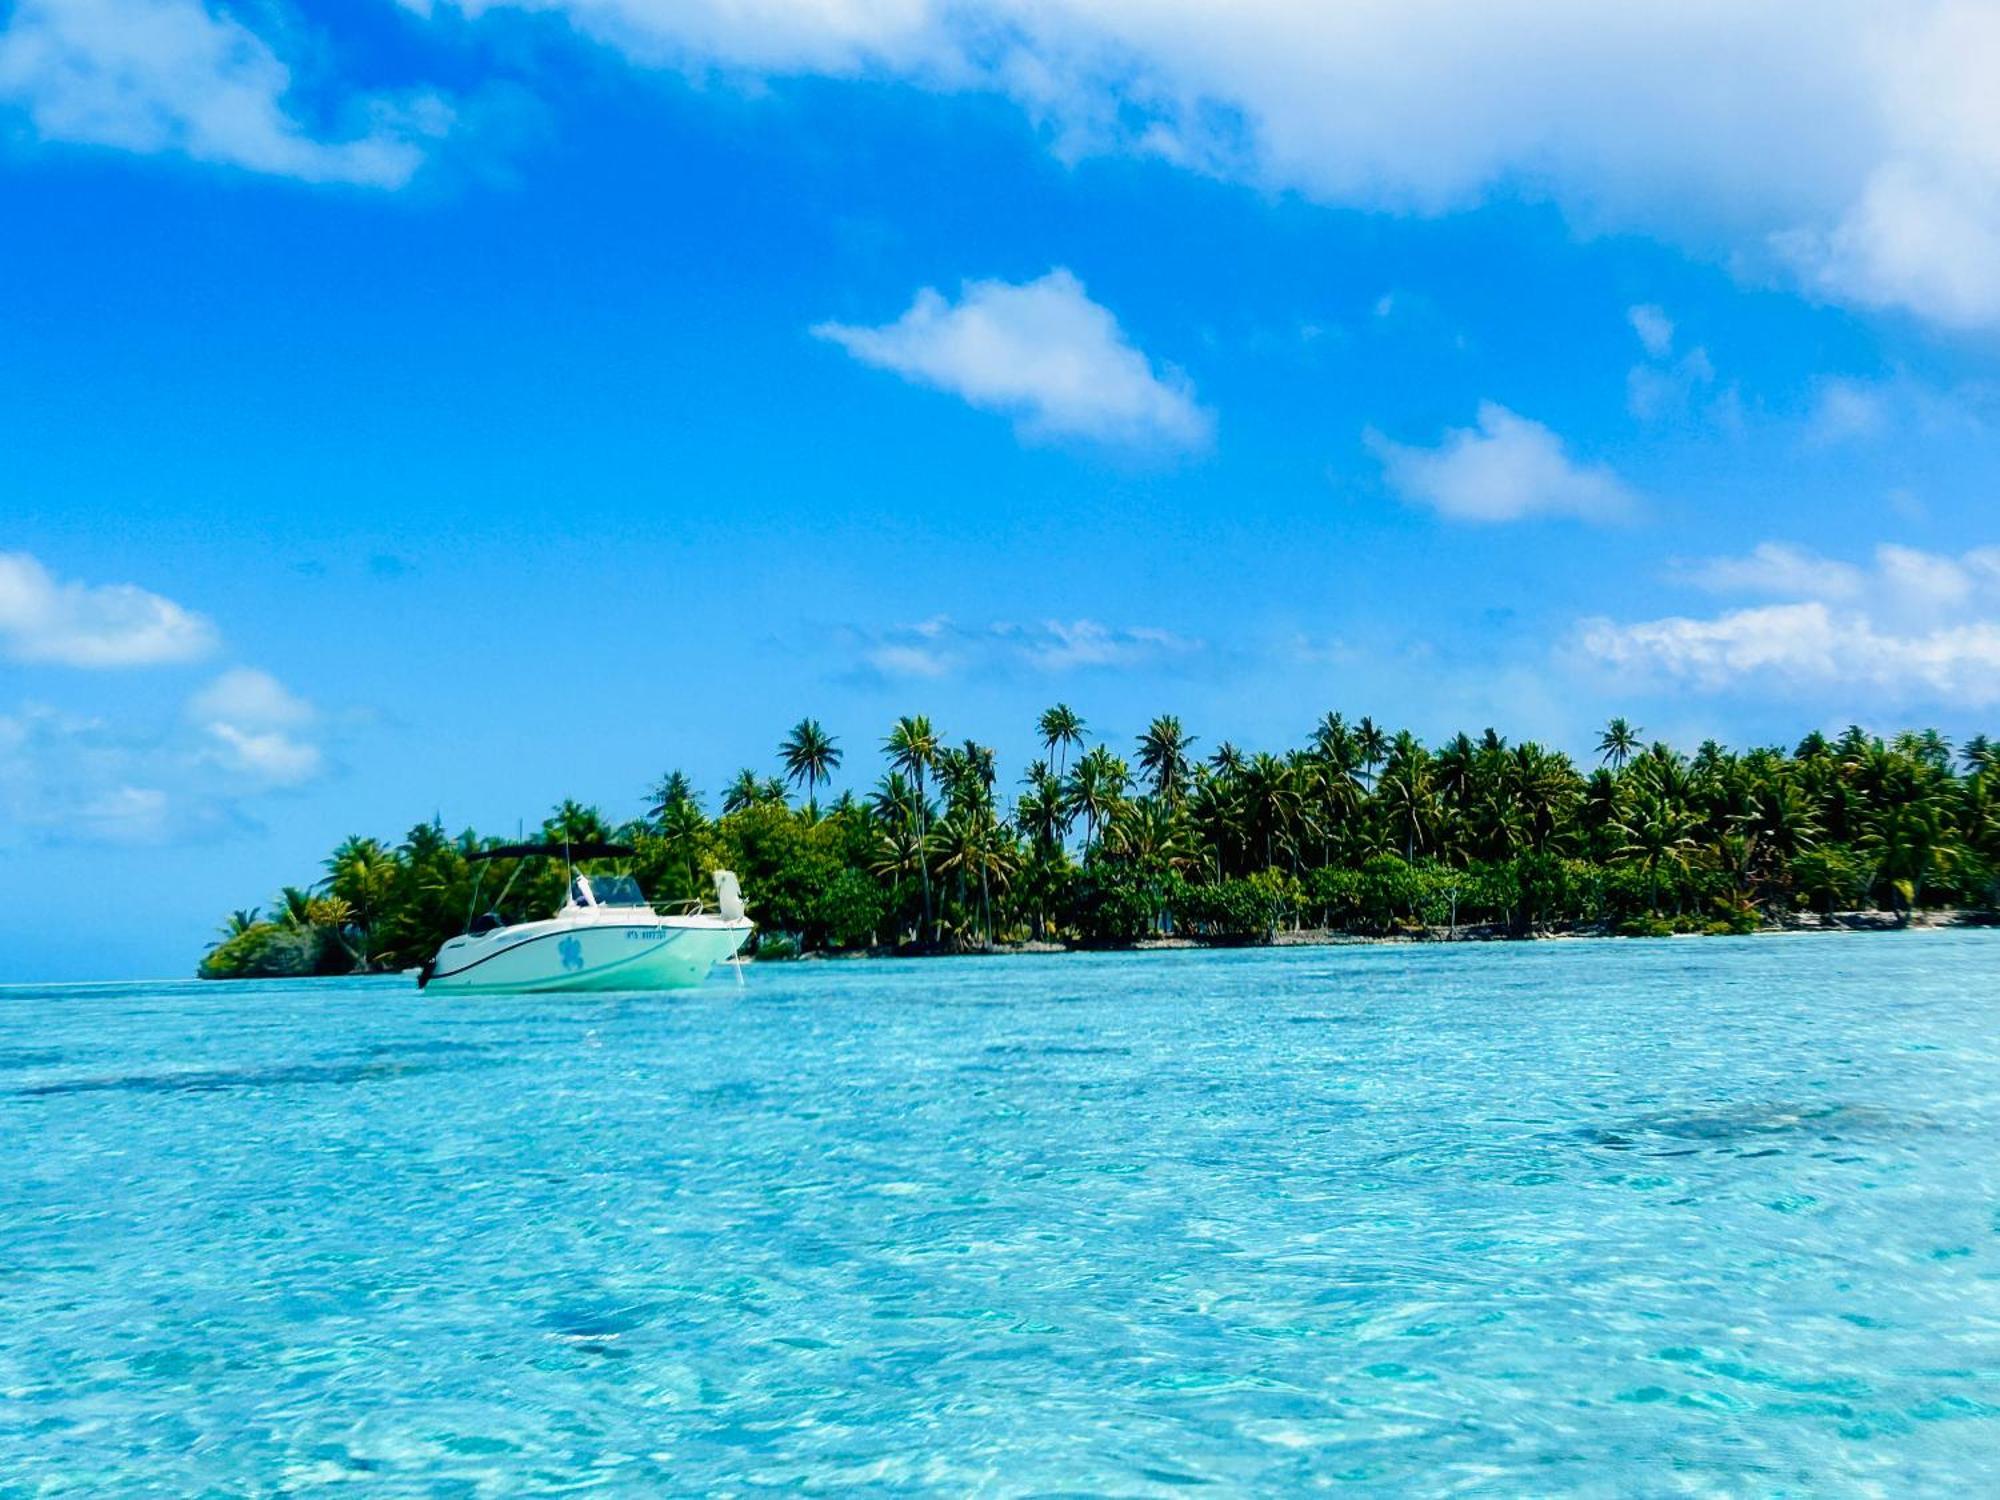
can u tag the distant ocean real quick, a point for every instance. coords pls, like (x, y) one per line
(1600, 1218)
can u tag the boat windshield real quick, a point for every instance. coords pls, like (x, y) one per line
(615, 890)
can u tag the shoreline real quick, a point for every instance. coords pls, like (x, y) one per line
(1941, 919)
(1938, 920)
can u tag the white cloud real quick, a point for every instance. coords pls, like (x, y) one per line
(244, 695)
(248, 717)
(178, 76)
(1654, 327)
(1854, 145)
(1922, 583)
(44, 619)
(1506, 469)
(1923, 230)
(1063, 645)
(1846, 410)
(1043, 353)
(123, 815)
(70, 778)
(839, 37)
(1810, 648)
(893, 660)
(939, 648)
(1778, 570)
(1656, 391)
(1661, 386)
(1914, 627)
(269, 755)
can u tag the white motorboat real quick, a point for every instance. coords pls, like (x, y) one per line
(605, 937)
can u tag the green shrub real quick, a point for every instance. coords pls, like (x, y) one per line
(1646, 926)
(850, 909)
(265, 950)
(1111, 904)
(1248, 909)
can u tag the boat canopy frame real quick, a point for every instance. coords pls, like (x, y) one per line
(570, 852)
(588, 849)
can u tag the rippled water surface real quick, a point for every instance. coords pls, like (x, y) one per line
(1637, 1218)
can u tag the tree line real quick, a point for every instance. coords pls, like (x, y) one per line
(1359, 831)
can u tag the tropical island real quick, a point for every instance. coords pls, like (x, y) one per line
(1358, 834)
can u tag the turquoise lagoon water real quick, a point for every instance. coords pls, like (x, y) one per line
(1603, 1218)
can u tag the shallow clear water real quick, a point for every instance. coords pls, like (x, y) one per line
(1706, 1217)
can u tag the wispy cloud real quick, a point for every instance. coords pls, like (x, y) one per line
(1846, 411)
(159, 76)
(939, 648)
(1654, 327)
(1065, 645)
(46, 619)
(1664, 384)
(1042, 353)
(1507, 468)
(1913, 626)
(76, 778)
(1848, 147)
(1777, 570)
(902, 659)
(252, 722)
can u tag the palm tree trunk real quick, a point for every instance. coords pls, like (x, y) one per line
(985, 899)
(924, 860)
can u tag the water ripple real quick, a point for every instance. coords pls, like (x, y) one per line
(1574, 1218)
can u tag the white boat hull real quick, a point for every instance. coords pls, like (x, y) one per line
(600, 953)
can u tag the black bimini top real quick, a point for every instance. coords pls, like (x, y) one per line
(585, 850)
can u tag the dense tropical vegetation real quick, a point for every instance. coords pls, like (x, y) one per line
(1359, 831)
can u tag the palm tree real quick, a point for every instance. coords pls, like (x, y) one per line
(1407, 800)
(1618, 743)
(744, 793)
(971, 843)
(363, 873)
(682, 829)
(1150, 830)
(670, 791)
(912, 748)
(1906, 829)
(1060, 728)
(982, 768)
(1333, 742)
(1039, 811)
(811, 756)
(1545, 789)
(1270, 805)
(1163, 755)
(1371, 744)
(899, 851)
(953, 773)
(1658, 836)
(1095, 790)
(240, 921)
(572, 822)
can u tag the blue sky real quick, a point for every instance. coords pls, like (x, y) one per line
(450, 408)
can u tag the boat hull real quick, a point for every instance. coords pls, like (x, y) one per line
(592, 957)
